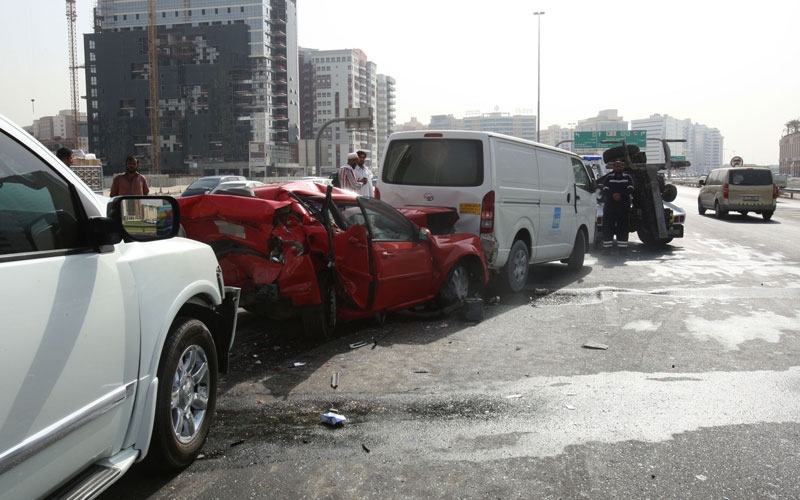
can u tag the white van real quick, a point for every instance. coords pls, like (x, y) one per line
(530, 203)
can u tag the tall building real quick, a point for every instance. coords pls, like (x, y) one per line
(228, 88)
(607, 119)
(703, 146)
(517, 125)
(333, 81)
(56, 131)
(789, 153)
(384, 114)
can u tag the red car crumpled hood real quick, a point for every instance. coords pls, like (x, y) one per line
(249, 221)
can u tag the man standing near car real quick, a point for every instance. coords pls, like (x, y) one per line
(130, 182)
(364, 176)
(347, 176)
(617, 188)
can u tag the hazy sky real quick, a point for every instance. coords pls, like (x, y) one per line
(733, 68)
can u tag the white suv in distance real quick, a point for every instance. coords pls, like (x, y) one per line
(113, 330)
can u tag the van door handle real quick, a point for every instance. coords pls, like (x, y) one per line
(568, 197)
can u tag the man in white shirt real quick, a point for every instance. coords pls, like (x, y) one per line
(364, 176)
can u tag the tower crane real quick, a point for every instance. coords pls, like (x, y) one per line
(152, 53)
(72, 16)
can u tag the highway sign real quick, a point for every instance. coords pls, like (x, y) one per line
(595, 140)
(737, 161)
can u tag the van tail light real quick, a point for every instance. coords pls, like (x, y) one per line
(377, 193)
(774, 191)
(487, 213)
(725, 190)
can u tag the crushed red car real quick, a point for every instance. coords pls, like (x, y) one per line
(325, 254)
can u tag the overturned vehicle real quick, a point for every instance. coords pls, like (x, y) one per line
(654, 218)
(325, 254)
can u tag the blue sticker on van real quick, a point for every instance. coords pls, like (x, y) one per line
(557, 218)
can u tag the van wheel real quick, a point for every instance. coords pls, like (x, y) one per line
(718, 211)
(700, 208)
(766, 215)
(516, 269)
(575, 261)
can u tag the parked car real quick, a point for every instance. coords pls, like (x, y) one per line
(229, 185)
(318, 180)
(205, 184)
(113, 333)
(739, 189)
(310, 250)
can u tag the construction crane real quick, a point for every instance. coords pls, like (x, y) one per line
(72, 16)
(152, 53)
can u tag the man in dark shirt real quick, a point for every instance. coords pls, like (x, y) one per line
(617, 188)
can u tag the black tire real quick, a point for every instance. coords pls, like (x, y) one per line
(186, 396)
(576, 258)
(457, 286)
(767, 215)
(648, 239)
(516, 268)
(320, 321)
(670, 193)
(700, 208)
(618, 153)
(718, 212)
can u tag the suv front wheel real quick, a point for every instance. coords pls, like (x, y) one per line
(186, 398)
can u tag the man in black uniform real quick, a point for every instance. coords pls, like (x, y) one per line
(617, 188)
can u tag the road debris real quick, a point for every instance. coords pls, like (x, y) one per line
(333, 418)
(514, 396)
(364, 447)
(595, 345)
(298, 364)
(335, 380)
(356, 345)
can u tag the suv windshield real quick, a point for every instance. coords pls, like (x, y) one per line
(434, 162)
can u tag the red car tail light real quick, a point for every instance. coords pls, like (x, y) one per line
(487, 213)
(774, 191)
(377, 193)
(725, 190)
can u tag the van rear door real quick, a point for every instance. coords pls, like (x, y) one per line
(442, 169)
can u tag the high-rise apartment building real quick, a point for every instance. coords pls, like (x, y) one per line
(518, 125)
(333, 81)
(703, 146)
(384, 115)
(228, 88)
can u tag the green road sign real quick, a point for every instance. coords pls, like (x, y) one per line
(594, 140)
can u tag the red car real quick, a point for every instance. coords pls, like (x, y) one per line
(308, 249)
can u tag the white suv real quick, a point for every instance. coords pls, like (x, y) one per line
(113, 330)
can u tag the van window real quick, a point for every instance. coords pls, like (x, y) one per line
(582, 179)
(434, 162)
(750, 177)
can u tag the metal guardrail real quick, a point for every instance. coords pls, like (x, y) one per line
(790, 191)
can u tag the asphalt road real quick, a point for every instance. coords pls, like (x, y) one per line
(666, 373)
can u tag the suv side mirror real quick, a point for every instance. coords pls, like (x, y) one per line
(145, 218)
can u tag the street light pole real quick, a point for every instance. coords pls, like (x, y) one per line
(538, 72)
